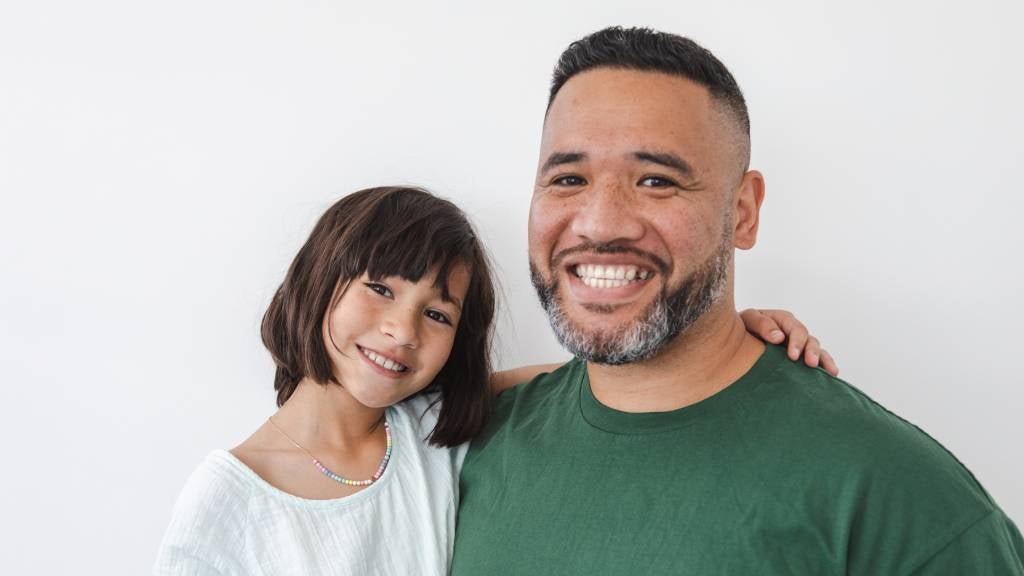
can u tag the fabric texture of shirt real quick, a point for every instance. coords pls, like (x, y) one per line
(229, 521)
(786, 471)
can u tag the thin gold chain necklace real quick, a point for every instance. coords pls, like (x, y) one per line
(341, 480)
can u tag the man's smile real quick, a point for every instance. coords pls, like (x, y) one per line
(606, 279)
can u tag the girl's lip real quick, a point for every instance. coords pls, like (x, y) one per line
(380, 369)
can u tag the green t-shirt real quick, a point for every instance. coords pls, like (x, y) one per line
(786, 471)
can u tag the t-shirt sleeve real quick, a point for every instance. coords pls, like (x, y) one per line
(991, 546)
(206, 535)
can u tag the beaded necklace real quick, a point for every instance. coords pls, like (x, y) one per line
(327, 472)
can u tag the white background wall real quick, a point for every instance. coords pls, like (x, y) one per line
(160, 163)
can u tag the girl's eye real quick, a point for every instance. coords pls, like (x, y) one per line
(438, 317)
(569, 180)
(379, 289)
(656, 182)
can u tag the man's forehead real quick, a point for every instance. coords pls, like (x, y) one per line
(616, 112)
(623, 88)
(609, 102)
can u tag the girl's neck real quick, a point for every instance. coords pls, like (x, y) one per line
(322, 416)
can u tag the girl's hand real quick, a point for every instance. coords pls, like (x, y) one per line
(775, 326)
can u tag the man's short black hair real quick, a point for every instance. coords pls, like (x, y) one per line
(648, 50)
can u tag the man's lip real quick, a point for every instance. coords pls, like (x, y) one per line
(610, 260)
(626, 258)
(603, 255)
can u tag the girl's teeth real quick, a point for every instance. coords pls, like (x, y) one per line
(384, 362)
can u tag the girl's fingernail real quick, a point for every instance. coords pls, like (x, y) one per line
(776, 335)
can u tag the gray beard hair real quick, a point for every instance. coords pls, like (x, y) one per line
(641, 338)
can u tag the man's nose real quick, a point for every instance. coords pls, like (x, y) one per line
(402, 326)
(608, 213)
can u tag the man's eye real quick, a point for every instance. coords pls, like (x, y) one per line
(656, 182)
(438, 317)
(569, 180)
(379, 289)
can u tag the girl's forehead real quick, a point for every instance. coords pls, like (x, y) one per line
(453, 287)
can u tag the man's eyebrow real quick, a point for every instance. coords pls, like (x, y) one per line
(559, 158)
(665, 159)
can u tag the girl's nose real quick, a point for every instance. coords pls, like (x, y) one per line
(402, 327)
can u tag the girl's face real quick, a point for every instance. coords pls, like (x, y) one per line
(388, 339)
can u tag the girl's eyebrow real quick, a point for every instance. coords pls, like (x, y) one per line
(453, 300)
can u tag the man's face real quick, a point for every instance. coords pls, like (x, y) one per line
(631, 224)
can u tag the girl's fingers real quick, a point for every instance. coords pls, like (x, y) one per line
(763, 326)
(829, 364)
(777, 326)
(812, 352)
(794, 329)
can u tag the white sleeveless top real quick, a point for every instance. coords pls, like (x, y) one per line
(229, 521)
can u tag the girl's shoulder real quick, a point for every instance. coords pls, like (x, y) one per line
(209, 517)
(419, 414)
(219, 489)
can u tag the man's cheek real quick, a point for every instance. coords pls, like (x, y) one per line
(543, 235)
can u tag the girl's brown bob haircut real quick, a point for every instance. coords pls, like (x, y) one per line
(388, 231)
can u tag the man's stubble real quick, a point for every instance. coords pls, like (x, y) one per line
(644, 337)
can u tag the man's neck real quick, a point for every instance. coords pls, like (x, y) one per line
(707, 358)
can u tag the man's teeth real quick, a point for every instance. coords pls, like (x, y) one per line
(382, 361)
(597, 276)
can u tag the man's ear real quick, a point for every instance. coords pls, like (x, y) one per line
(747, 210)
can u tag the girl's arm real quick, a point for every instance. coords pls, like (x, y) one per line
(501, 381)
(774, 326)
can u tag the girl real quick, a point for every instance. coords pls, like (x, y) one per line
(381, 335)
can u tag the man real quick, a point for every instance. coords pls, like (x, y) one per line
(676, 443)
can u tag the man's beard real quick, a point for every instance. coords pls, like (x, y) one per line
(644, 337)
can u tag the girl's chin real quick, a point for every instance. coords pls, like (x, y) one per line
(378, 401)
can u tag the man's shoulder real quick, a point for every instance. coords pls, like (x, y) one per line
(845, 453)
(841, 424)
(815, 400)
(878, 461)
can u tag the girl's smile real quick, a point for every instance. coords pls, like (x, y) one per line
(387, 366)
